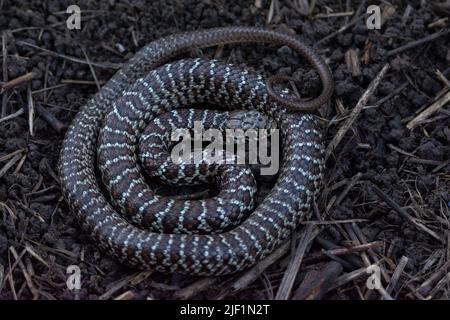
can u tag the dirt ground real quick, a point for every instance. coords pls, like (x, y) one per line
(387, 186)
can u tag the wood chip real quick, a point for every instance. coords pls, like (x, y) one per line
(394, 205)
(352, 62)
(356, 111)
(9, 164)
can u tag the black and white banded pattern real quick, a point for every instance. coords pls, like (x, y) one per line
(148, 231)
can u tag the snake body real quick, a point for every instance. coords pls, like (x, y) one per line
(215, 236)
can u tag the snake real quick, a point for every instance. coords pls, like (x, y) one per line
(106, 187)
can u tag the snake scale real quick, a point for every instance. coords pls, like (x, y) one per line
(128, 220)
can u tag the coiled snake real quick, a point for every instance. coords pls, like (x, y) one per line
(145, 230)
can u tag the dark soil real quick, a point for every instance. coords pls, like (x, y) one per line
(39, 236)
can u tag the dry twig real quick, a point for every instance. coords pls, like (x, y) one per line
(396, 275)
(419, 42)
(390, 202)
(425, 114)
(284, 291)
(17, 81)
(9, 164)
(356, 110)
(5, 73)
(104, 65)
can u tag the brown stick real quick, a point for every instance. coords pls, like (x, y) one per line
(25, 273)
(106, 65)
(439, 286)
(340, 30)
(2, 273)
(352, 62)
(347, 277)
(127, 295)
(91, 68)
(5, 73)
(419, 42)
(9, 164)
(425, 114)
(57, 125)
(131, 279)
(448, 246)
(9, 275)
(347, 189)
(331, 246)
(13, 115)
(395, 92)
(12, 154)
(362, 238)
(17, 81)
(390, 202)
(427, 285)
(82, 82)
(443, 78)
(356, 111)
(251, 275)
(396, 275)
(343, 251)
(355, 235)
(284, 291)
